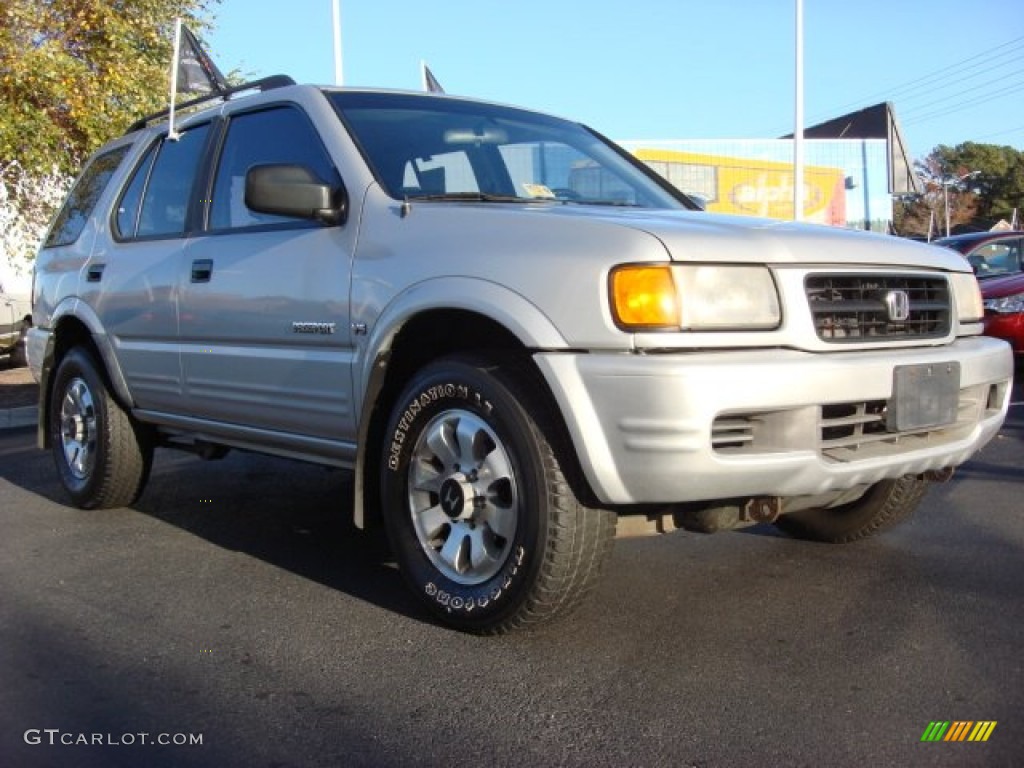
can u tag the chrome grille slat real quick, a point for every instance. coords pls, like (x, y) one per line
(851, 420)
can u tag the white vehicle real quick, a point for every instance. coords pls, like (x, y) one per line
(15, 320)
(513, 333)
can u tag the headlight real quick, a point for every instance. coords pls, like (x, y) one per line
(1006, 305)
(968, 297)
(694, 297)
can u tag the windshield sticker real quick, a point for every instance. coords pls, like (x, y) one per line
(538, 190)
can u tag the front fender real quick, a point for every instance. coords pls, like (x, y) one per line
(514, 312)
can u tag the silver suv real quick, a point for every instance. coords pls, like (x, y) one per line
(513, 333)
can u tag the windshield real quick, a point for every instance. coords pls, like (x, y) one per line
(435, 148)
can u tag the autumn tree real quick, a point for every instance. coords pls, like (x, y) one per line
(996, 175)
(982, 184)
(73, 74)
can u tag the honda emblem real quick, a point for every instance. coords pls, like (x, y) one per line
(897, 305)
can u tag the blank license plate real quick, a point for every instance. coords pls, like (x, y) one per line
(923, 396)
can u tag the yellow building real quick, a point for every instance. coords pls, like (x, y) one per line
(752, 187)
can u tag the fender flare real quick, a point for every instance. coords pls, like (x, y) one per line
(513, 311)
(74, 308)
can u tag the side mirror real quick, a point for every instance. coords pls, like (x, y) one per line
(294, 190)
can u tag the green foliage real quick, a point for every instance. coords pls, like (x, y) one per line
(75, 73)
(982, 183)
(998, 180)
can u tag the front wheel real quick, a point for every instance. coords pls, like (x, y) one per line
(483, 521)
(102, 456)
(882, 506)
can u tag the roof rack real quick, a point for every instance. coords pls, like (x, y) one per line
(264, 84)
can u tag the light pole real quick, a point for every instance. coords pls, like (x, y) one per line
(798, 119)
(946, 184)
(339, 78)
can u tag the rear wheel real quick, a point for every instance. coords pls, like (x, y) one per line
(882, 506)
(480, 514)
(102, 456)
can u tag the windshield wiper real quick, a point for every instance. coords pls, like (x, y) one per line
(614, 203)
(473, 197)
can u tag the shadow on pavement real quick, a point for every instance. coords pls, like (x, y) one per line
(293, 515)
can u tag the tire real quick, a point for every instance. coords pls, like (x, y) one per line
(882, 506)
(481, 517)
(102, 456)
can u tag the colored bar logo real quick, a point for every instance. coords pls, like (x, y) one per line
(958, 730)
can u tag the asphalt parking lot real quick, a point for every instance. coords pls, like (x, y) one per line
(233, 603)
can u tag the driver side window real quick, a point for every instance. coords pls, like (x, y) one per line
(280, 135)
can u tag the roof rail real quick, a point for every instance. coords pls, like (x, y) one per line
(264, 84)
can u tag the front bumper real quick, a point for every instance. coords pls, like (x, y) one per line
(676, 427)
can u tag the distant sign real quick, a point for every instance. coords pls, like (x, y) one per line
(752, 187)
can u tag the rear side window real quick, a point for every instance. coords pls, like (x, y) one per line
(998, 258)
(158, 197)
(279, 135)
(83, 197)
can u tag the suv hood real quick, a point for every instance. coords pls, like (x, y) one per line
(700, 236)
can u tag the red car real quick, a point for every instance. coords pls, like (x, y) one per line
(1004, 309)
(990, 254)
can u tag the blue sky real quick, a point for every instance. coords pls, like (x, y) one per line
(664, 69)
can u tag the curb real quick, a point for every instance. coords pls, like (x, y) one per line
(15, 418)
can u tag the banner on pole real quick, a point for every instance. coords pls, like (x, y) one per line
(430, 83)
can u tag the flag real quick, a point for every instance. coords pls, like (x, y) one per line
(430, 83)
(197, 74)
(193, 73)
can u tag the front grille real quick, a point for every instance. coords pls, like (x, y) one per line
(853, 308)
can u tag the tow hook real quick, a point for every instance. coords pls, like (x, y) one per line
(763, 509)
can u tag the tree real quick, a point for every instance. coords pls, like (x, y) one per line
(73, 74)
(998, 175)
(982, 182)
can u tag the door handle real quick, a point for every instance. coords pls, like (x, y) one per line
(94, 273)
(202, 269)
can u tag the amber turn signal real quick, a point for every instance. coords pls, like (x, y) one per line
(644, 297)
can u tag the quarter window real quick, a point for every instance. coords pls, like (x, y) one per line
(282, 135)
(70, 222)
